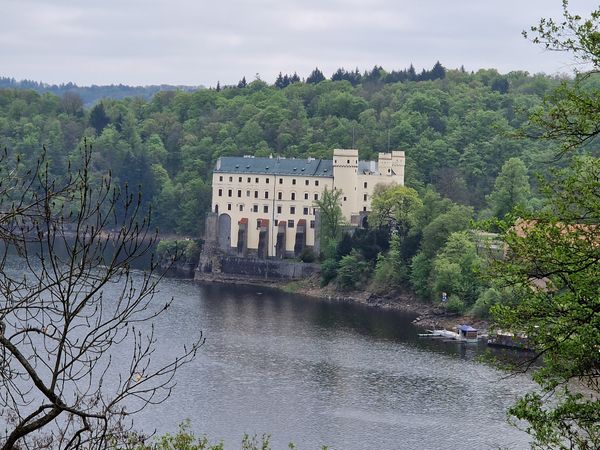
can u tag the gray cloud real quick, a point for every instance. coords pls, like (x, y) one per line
(200, 42)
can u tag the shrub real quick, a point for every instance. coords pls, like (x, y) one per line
(455, 305)
(307, 255)
(486, 300)
(328, 271)
(352, 271)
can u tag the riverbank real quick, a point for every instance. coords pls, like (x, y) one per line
(427, 315)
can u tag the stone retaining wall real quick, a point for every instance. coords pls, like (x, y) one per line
(236, 267)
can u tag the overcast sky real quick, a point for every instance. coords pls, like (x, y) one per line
(200, 42)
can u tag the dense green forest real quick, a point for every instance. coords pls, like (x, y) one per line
(91, 94)
(457, 130)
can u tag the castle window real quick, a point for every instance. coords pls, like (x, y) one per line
(239, 192)
(348, 161)
(281, 181)
(365, 197)
(293, 196)
(255, 194)
(220, 192)
(364, 208)
(228, 206)
(267, 180)
(241, 207)
(279, 210)
(290, 223)
(217, 209)
(306, 196)
(365, 184)
(254, 208)
(305, 211)
(239, 179)
(316, 182)
(229, 193)
(265, 209)
(266, 194)
(230, 179)
(275, 222)
(247, 193)
(221, 178)
(312, 224)
(316, 196)
(249, 179)
(306, 182)
(293, 181)
(258, 224)
(256, 180)
(279, 195)
(292, 210)
(345, 198)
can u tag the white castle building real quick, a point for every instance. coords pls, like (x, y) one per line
(265, 207)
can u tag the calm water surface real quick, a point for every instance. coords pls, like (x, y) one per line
(317, 373)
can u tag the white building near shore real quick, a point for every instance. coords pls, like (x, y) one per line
(265, 206)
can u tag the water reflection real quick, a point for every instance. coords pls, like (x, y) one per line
(319, 373)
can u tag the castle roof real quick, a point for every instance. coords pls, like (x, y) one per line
(275, 166)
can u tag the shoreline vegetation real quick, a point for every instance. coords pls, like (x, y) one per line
(427, 315)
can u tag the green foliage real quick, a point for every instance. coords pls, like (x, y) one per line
(329, 269)
(391, 272)
(419, 275)
(457, 128)
(353, 271)
(553, 258)
(173, 249)
(511, 189)
(396, 208)
(456, 267)
(436, 232)
(331, 215)
(485, 301)
(455, 305)
(307, 255)
(185, 439)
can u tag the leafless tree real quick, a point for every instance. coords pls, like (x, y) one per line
(74, 238)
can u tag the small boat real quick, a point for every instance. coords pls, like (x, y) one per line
(466, 333)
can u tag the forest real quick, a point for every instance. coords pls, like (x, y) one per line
(482, 149)
(457, 130)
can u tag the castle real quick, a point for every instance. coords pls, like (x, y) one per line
(265, 207)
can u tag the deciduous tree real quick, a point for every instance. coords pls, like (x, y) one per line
(59, 387)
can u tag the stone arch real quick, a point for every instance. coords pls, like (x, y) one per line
(364, 223)
(224, 233)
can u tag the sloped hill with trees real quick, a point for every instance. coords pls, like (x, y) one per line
(457, 128)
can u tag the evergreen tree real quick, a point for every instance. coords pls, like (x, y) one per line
(438, 72)
(411, 75)
(98, 118)
(242, 83)
(315, 77)
(279, 81)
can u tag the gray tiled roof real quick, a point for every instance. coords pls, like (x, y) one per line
(276, 166)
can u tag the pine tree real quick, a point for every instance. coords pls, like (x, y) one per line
(315, 77)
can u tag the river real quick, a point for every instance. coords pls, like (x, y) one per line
(318, 373)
